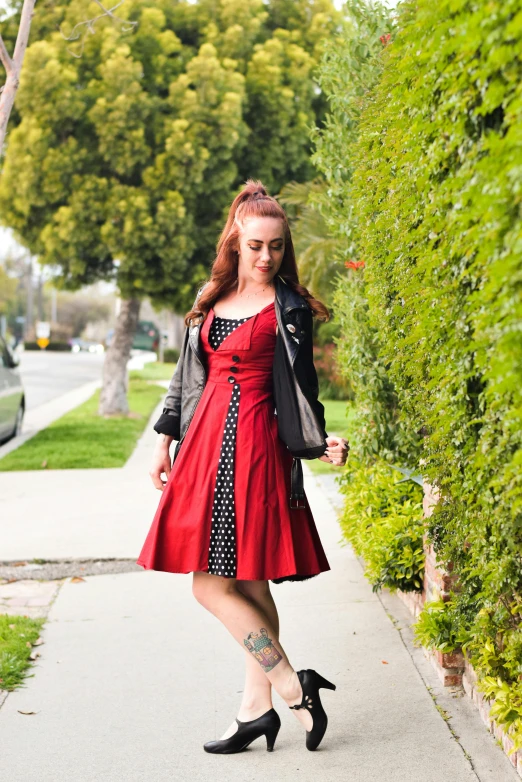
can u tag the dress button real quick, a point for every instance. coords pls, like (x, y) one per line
(235, 358)
(234, 369)
(231, 379)
(290, 327)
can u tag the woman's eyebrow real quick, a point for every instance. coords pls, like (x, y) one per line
(279, 239)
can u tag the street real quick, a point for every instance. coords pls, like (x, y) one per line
(46, 376)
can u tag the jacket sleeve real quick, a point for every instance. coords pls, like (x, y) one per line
(170, 419)
(306, 372)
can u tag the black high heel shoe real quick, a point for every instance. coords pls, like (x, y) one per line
(267, 724)
(311, 681)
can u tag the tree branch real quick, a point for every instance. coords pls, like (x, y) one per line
(88, 24)
(4, 57)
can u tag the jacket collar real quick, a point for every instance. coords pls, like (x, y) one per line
(286, 300)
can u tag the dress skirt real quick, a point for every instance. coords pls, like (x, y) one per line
(225, 506)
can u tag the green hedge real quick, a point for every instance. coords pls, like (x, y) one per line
(436, 186)
(351, 65)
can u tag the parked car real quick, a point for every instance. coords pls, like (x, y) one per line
(147, 336)
(12, 397)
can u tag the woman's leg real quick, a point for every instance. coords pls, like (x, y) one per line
(254, 631)
(257, 692)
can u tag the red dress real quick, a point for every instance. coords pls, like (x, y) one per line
(225, 506)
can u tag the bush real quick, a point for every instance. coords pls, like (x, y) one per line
(382, 519)
(170, 355)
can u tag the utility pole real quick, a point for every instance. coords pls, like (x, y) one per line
(40, 296)
(29, 317)
(54, 311)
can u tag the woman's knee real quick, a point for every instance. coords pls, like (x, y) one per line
(209, 589)
(255, 590)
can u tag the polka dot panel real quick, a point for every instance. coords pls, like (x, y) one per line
(222, 546)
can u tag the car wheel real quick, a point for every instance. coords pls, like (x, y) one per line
(17, 431)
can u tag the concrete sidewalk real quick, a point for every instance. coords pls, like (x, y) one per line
(134, 676)
(73, 514)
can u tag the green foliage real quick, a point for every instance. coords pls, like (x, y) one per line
(435, 627)
(506, 708)
(314, 246)
(424, 185)
(127, 155)
(382, 519)
(435, 177)
(17, 634)
(171, 355)
(351, 65)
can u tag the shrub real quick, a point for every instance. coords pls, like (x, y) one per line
(170, 355)
(382, 519)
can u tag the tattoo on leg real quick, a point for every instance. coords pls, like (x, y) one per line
(263, 649)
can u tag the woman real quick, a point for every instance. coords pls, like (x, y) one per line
(243, 406)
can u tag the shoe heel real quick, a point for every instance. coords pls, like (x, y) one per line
(322, 682)
(271, 736)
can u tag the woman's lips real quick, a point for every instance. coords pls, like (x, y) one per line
(264, 269)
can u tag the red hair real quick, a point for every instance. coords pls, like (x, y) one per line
(252, 201)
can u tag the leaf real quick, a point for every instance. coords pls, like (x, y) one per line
(76, 579)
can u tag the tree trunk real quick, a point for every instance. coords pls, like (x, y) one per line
(113, 396)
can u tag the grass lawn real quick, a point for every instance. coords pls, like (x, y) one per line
(154, 370)
(17, 635)
(340, 420)
(83, 439)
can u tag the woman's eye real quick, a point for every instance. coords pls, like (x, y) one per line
(279, 247)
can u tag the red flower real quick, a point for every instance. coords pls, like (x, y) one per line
(353, 264)
(384, 39)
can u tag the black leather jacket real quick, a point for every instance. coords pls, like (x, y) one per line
(300, 415)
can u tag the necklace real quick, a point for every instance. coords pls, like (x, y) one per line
(249, 295)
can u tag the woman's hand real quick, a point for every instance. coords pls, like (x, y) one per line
(161, 462)
(337, 451)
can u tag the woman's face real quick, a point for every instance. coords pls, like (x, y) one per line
(261, 248)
